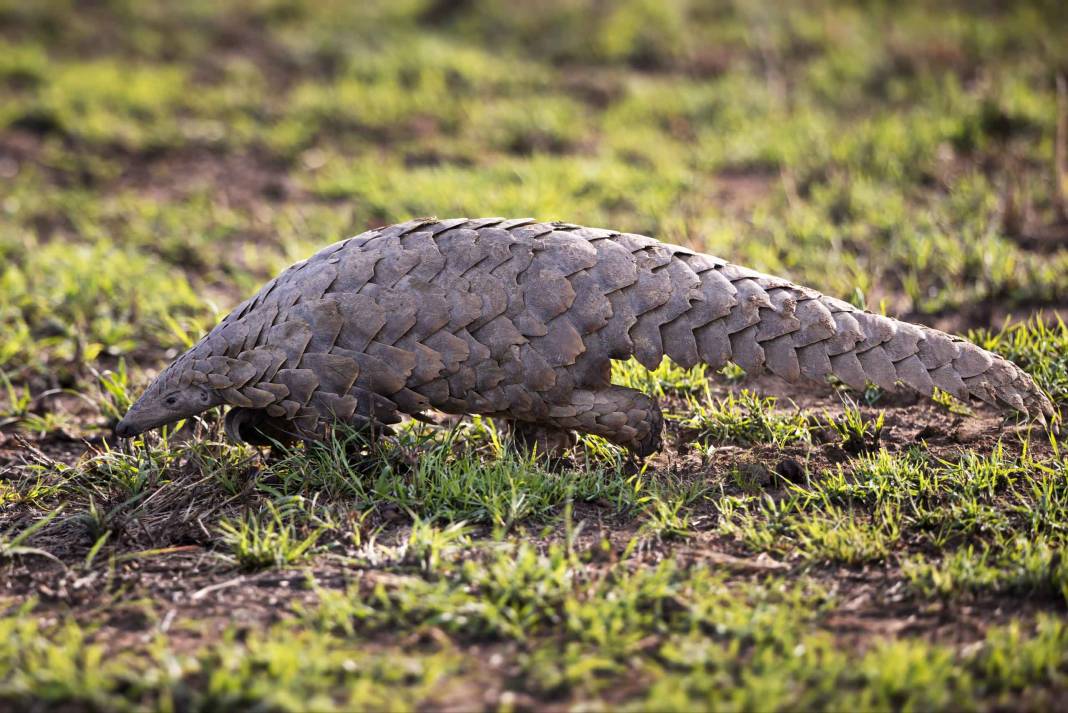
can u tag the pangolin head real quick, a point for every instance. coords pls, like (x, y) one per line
(165, 401)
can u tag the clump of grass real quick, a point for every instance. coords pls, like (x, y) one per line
(266, 539)
(108, 101)
(536, 124)
(667, 518)
(884, 507)
(18, 401)
(115, 391)
(666, 379)
(427, 546)
(1018, 567)
(281, 667)
(47, 423)
(882, 476)
(858, 434)
(848, 537)
(444, 486)
(130, 472)
(950, 403)
(57, 663)
(31, 488)
(744, 419)
(320, 659)
(513, 591)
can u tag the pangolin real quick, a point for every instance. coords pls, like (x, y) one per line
(519, 320)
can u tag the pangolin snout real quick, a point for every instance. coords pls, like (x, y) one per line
(124, 430)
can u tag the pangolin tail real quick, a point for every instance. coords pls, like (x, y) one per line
(762, 322)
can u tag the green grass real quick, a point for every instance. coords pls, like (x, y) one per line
(437, 476)
(666, 379)
(745, 419)
(701, 640)
(1018, 567)
(64, 305)
(282, 668)
(269, 539)
(996, 515)
(158, 162)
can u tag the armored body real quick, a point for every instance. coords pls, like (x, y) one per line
(519, 320)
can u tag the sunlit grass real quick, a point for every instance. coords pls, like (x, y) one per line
(267, 539)
(746, 418)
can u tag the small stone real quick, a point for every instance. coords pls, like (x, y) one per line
(791, 470)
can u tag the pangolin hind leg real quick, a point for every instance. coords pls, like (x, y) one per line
(626, 417)
(622, 416)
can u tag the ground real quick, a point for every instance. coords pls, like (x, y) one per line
(791, 548)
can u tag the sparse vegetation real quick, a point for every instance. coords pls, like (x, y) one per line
(791, 548)
(269, 539)
(745, 418)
